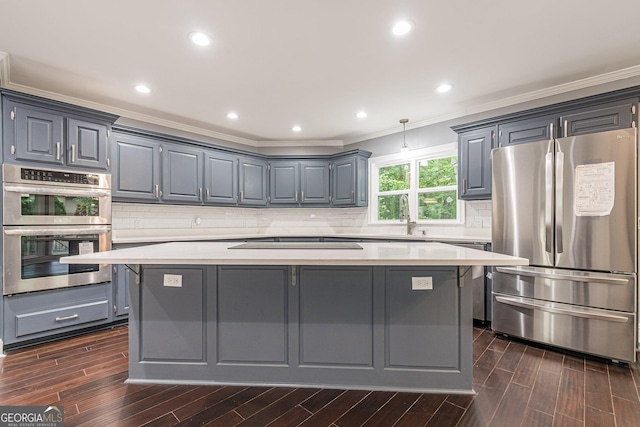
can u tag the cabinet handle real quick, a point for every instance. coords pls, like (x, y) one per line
(464, 186)
(303, 196)
(353, 196)
(208, 193)
(566, 131)
(157, 192)
(58, 150)
(296, 196)
(551, 131)
(241, 196)
(73, 153)
(200, 194)
(62, 319)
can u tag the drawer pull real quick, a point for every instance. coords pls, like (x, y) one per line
(62, 319)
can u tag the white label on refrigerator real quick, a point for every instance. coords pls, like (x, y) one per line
(85, 248)
(595, 189)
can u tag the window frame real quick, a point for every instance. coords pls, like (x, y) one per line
(413, 158)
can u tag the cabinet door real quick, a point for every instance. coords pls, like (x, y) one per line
(314, 182)
(136, 168)
(284, 182)
(38, 134)
(253, 182)
(87, 144)
(182, 174)
(529, 130)
(121, 281)
(221, 178)
(344, 182)
(474, 155)
(602, 118)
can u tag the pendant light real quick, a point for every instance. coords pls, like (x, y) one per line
(404, 147)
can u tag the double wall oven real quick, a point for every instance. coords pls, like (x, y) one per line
(48, 214)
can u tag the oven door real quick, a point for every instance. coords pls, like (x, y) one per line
(31, 257)
(54, 205)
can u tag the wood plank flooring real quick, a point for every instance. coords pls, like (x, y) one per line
(516, 384)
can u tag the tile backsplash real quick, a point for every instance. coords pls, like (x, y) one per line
(221, 220)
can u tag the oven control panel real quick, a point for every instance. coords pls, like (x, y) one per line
(57, 176)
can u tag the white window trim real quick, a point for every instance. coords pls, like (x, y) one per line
(411, 157)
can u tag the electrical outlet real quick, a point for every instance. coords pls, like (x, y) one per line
(421, 283)
(173, 280)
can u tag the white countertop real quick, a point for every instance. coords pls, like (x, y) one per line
(198, 253)
(190, 235)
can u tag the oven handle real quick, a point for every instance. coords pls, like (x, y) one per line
(576, 312)
(55, 231)
(58, 191)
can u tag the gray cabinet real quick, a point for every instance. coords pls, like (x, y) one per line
(34, 133)
(299, 183)
(38, 315)
(350, 175)
(136, 168)
(314, 183)
(221, 178)
(474, 163)
(253, 182)
(601, 118)
(529, 130)
(182, 174)
(284, 182)
(121, 282)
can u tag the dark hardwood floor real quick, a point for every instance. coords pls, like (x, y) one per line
(516, 384)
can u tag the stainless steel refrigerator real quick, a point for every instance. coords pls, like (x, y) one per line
(570, 206)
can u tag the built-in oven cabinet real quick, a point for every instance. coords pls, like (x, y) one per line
(40, 131)
(38, 315)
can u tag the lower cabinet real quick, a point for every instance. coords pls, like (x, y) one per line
(42, 314)
(353, 326)
(121, 281)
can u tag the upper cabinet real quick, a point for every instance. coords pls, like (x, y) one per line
(474, 163)
(136, 168)
(221, 178)
(611, 116)
(600, 113)
(529, 130)
(349, 176)
(298, 183)
(182, 174)
(253, 182)
(36, 130)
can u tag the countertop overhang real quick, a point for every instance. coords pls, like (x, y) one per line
(372, 254)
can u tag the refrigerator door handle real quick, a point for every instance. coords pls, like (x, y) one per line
(548, 202)
(550, 308)
(532, 272)
(559, 199)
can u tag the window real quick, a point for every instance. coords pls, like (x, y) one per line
(428, 178)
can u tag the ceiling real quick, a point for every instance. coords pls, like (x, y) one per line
(311, 63)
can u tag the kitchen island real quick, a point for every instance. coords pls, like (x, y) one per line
(394, 316)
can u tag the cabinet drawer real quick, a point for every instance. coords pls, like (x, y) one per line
(40, 321)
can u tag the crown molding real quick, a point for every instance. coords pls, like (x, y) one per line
(305, 143)
(585, 83)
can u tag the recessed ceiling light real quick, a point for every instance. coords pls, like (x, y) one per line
(232, 115)
(444, 87)
(361, 114)
(143, 88)
(200, 39)
(402, 27)
(296, 128)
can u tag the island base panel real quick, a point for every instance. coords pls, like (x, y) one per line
(354, 327)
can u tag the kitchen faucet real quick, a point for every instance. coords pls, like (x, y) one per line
(404, 213)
